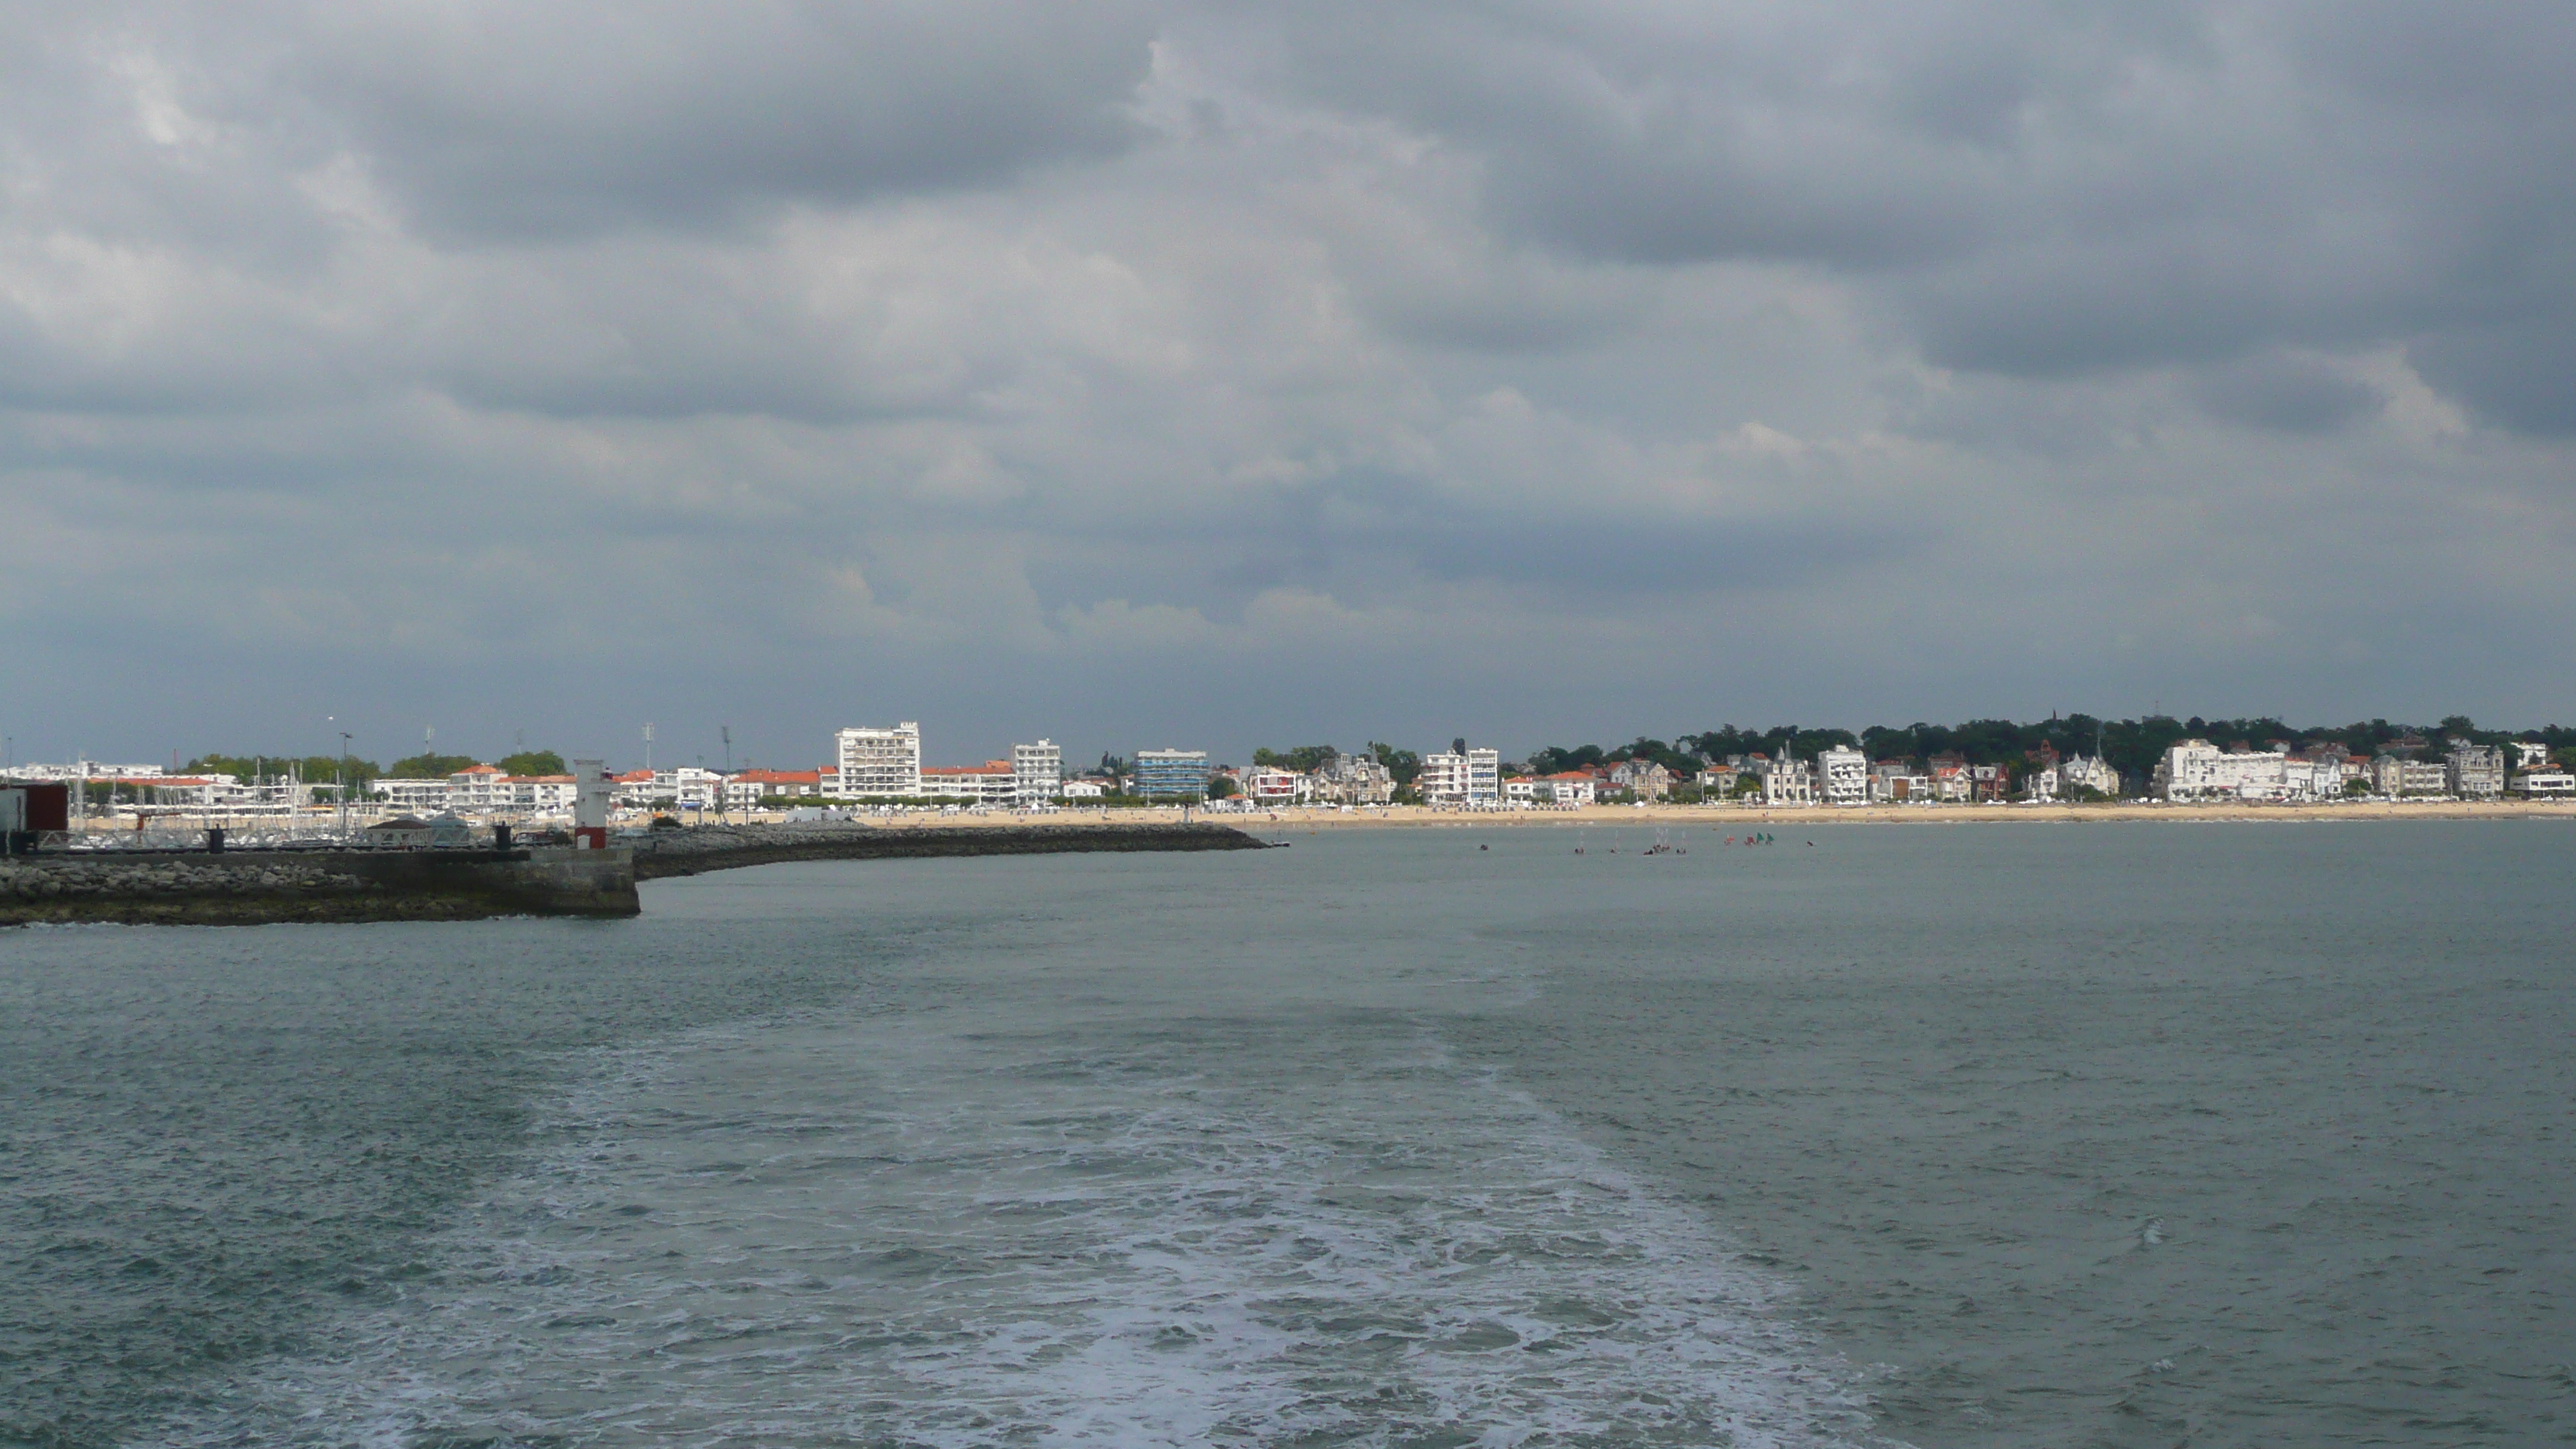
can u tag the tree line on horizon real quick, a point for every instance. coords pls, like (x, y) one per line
(2132, 746)
(322, 769)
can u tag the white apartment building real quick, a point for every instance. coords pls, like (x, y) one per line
(1037, 772)
(878, 761)
(1473, 779)
(2475, 772)
(1842, 776)
(1485, 777)
(477, 790)
(632, 790)
(2534, 774)
(689, 787)
(2400, 778)
(1519, 791)
(2547, 783)
(1443, 780)
(1082, 790)
(543, 794)
(412, 797)
(2198, 770)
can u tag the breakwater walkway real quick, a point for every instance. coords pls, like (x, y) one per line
(257, 887)
(721, 847)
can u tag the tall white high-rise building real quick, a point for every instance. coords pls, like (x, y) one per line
(878, 761)
(1462, 777)
(1037, 771)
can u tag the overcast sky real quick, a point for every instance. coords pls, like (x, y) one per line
(1217, 375)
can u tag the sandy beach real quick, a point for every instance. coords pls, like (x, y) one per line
(1726, 818)
(1722, 819)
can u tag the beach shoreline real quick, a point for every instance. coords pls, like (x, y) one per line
(1721, 818)
(1724, 816)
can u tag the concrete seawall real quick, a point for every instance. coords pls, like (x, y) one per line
(694, 852)
(242, 888)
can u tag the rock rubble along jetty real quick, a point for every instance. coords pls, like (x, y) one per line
(245, 888)
(726, 847)
(257, 887)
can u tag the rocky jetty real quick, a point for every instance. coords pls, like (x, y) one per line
(255, 887)
(720, 847)
(239, 888)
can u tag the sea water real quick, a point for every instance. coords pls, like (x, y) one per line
(2024, 1135)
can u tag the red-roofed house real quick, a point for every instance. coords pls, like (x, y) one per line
(746, 788)
(1569, 787)
(994, 781)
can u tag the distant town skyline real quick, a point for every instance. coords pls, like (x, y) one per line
(669, 751)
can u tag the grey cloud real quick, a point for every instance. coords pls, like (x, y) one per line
(2287, 393)
(138, 128)
(2521, 374)
(1366, 536)
(2042, 190)
(1435, 363)
(529, 121)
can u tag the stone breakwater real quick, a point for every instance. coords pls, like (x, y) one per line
(692, 852)
(243, 888)
(259, 887)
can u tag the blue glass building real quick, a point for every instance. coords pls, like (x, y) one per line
(1171, 773)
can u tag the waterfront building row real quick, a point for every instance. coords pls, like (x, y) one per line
(871, 762)
(2198, 770)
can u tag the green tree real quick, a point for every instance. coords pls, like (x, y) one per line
(1305, 759)
(311, 769)
(535, 762)
(1557, 759)
(1404, 765)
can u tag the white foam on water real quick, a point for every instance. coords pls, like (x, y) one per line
(862, 1233)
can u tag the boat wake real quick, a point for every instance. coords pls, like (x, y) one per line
(840, 1232)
